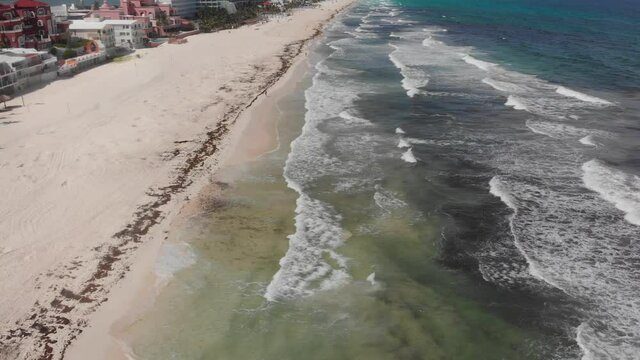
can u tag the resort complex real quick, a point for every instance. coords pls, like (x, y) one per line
(40, 42)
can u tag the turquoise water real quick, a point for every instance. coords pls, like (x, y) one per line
(586, 43)
(455, 180)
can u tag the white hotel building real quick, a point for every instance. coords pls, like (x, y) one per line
(129, 34)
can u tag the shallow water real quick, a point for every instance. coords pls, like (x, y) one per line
(431, 198)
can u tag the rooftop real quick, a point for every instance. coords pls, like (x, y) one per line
(87, 25)
(120, 22)
(30, 4)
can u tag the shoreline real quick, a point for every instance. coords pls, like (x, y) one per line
(136, 294)
(72, 307)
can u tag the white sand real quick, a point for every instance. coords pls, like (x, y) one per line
(79, 161)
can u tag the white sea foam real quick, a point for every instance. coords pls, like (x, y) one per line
(499, 189)
(173, 258)
(304, 269)
(557, 130)
(415, 141)
(496, 188)
(399, 131)
(502, 85)
(408, 156)
(615, 186)
(588, 140)
(483, 65)
(581, 96)
(430, 41)
(353, 120)
(582, 342)
(318, 233)
(338, 50)
(355, 34)
(372, 279)
(323, 68)
(396, 35)
(413, 79)
(402, 143)
(515, 103)
(386, 200)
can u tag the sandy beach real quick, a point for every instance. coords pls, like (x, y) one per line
(95, 168)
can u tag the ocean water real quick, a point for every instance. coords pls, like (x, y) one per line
(455, 180)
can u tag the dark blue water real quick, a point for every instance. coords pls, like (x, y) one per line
(593, 44)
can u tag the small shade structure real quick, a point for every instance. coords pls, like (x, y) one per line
(4, 99)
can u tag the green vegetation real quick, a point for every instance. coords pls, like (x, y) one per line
(69, 53)
(124, 58)
(213, 19)
(71, 43)
(163, 19)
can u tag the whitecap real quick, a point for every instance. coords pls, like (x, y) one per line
(413, 79)
(372, 279)
(615, 186)
(429, 42)
(352, 119)
(399, 131)
(516, 103)
(581, 96)
(499, 189)
(502, 85)
(408, 156)
(588, 140)
(480, 64)
(402, 143)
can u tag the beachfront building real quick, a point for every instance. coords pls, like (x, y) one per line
(11, 32)
(129, 34)
(21, 68)
(8, 79)
(27, 23)
(157, 18)
(132, 9)
(183, 8)
(100, 32)
(64, 13)
(220, 4)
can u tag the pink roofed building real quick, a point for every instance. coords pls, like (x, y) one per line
(156, 17)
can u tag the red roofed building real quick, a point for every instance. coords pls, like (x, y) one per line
(28, 23)
(11, 33)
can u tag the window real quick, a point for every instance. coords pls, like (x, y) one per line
(17, 27)
(42, 11)
(7, 16)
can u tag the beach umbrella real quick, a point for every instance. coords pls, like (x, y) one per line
(4, 99)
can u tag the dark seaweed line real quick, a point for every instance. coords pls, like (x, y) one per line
(48, 328)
